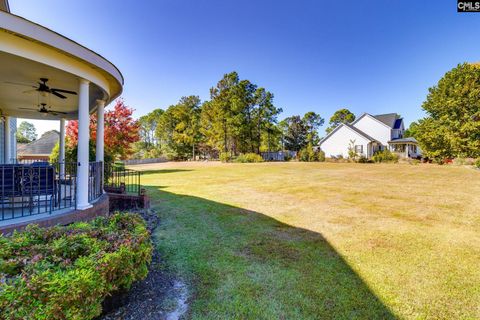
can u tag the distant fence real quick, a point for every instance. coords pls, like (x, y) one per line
(143, 161)
(278, 155)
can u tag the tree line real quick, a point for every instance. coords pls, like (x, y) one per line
(240, 117)
(451, 127)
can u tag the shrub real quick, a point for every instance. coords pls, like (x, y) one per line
(66, 272)
(288, 156)
(320, 156)
(249, 158)
(385, 156)
(225, 157)
(364, 159)
(477, 163)
(309, 154)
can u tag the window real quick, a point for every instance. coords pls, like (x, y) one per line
(359, 148)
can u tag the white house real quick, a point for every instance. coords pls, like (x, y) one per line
(369, 134)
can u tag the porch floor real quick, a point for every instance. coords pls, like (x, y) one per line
(17, 215)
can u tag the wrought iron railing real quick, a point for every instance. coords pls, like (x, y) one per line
(95, 180)
(30, 189)
(34, 187)
(121, 180)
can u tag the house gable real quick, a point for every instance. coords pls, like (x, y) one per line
(374, 128)
(339, 140)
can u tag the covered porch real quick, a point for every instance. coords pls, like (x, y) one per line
(405, 147)
(47, 76)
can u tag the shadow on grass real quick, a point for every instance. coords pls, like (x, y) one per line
(245, 265)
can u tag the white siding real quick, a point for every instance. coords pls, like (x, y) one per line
(338, 143)
(374, 129)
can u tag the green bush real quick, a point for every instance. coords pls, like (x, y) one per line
(309, 154)
(225, 157)
(320, 156)
(385, 156)
(477, 163)
(249, 158)
(364, 159)
(66, 272)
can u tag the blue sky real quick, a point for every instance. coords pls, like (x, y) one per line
(375, 56)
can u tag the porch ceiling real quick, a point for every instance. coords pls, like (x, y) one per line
(17, 79)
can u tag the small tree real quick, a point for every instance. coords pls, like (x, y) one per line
(312, 121)
(121, 131)
(352, 153)
(26, 132)
(296, 133)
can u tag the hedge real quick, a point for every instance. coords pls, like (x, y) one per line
(249, 158)
(65, 272)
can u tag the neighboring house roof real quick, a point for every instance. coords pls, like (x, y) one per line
(20, 146)
(360, 132)
(404, 140)
(42, 146)
(389, 119)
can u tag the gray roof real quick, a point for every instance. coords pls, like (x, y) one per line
(360, 132)
(389, 119)
(44, 145)
(404, 140)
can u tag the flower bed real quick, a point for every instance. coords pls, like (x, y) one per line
(66, 272)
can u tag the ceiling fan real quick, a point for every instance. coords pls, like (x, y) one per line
(44, 109)
(43, 87)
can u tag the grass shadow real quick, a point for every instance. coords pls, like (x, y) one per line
(243, 264)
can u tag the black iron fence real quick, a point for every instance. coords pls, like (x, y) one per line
(121, 180)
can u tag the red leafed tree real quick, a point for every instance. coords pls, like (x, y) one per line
(121, 131)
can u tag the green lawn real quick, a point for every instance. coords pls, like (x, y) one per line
(321, 240)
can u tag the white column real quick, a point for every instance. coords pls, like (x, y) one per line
(61, 157)
(406, 150)
(8, 142)
(99, 145)
(83, 139)
(100, 131)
